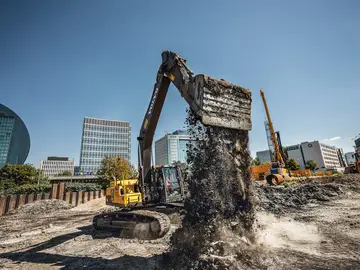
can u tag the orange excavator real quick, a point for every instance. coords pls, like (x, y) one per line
(144, 202)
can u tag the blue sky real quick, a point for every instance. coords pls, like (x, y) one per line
(63, 60)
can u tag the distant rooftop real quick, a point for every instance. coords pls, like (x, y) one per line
(103, 119)
(180, 132)
(58, 158)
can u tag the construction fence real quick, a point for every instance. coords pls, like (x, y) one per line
(11, 202)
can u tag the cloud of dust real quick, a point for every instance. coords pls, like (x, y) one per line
(287, 233)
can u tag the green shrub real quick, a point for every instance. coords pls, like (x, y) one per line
(82, 187)
(286, 184)
(26, 189)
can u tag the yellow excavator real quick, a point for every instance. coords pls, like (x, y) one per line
(145, 202)
(278, 172)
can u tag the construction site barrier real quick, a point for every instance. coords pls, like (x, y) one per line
(260, 172)
(301, 173)
(12, 202)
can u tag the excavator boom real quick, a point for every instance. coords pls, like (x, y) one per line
(215, 102)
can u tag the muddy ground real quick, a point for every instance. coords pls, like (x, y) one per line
(313, 225)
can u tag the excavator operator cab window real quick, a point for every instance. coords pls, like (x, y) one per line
(171, 181)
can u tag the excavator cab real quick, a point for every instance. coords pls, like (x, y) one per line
(166, 185)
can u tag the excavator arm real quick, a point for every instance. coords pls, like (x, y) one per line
(215, 102)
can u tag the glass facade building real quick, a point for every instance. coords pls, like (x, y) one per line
(14, 138)
(102, 138)
(172, 148)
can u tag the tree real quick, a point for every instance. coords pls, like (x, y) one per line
(310, 164)
(256, 161)
(19, 174)
(66, 173)
(113, 168)
(292, 164)
(134, 173)
(13, 176)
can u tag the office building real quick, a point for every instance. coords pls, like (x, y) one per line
(54, 166)
(264, 156)
(295, 152)
(14, 138)
(171, 148)
(324, 155)
(349, 158)
(102, 138)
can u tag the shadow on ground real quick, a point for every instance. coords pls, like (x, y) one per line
(36, 254)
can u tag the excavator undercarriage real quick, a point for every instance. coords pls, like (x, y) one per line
(145, 202)
(140, 224)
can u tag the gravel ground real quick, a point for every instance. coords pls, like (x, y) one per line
(305, 232)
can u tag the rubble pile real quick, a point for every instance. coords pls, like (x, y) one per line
(42, 207)
(218, 227)
(277, 199)
(352, 181)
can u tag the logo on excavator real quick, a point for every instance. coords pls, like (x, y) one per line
(153, 101)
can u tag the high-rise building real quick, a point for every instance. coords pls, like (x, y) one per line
(57, 165)
(349, 158)
(102, 138)
(172, 148)
(14, 138)
(264, 156)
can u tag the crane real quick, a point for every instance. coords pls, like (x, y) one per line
(278, 172)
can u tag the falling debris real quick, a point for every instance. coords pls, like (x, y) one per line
(219, 220)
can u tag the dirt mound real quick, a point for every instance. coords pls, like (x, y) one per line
(42, 207)
(351, 181)
(92, 205)
(277, 199)
(218, 224)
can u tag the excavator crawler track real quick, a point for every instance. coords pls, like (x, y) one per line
(140, 224)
